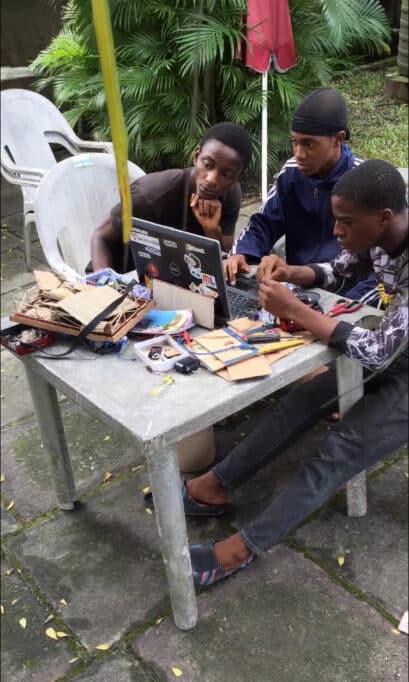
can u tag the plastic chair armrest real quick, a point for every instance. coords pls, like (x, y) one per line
(107, 147)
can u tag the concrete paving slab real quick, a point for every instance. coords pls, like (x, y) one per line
(10, 300)
(28, 655)
(15, 225)
(15, 275)
(115, 669)
(8, 522)
(11, 204)
(10, 241)
(94, 450)
(375, 547)
(103, 559)
(280, 620)
(16, 401)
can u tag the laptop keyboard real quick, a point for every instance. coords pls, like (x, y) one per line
(240, 305)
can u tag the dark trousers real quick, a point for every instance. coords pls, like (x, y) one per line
(376, 426)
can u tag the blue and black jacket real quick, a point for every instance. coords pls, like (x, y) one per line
(299, 207)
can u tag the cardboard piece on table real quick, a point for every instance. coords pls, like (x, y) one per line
(249, 369)
(171, 297)
(244, 324)
(87, 304)
(46, 280)
(224, 347)
(269, 358)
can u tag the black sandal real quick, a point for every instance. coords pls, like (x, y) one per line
(191, 506)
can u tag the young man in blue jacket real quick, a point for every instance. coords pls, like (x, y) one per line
(299, 202)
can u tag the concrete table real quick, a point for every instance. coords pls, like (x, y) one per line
(118, 392)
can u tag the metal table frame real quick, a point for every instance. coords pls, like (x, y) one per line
(119, 394)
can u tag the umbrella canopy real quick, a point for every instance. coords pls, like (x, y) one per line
(269, 39)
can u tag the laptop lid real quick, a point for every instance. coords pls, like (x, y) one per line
(188, 260)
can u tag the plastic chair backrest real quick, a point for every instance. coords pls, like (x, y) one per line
(73, 198)
(29, 123)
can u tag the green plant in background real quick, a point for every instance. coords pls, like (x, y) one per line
(178, 70)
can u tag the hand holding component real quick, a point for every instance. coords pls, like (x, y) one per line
(273, 267)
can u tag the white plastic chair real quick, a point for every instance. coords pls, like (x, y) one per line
(73, 198)
(29, 124)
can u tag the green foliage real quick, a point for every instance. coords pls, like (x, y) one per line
(379, 125)
(178, 70)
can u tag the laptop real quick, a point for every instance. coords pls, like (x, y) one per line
(192, 262)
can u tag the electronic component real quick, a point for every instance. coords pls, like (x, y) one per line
(187, 365)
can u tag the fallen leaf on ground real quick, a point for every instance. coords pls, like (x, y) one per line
(10, 571)
(395, 631)
(3, 476)
(159, 620)
(103, 647)
(107, 476)
(1, 609)
(403, 625)
(14, 602)
(72, 660)
(148, 511)
(63, 602)
(406, 474)
(60, 634)
(107, 438)
(146, 490)
(50, 617)
(10, 506)
(23, 623)
(341, 560)
(177, 672)
(51, 633)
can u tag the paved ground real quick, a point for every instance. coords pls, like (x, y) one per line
(96, 574)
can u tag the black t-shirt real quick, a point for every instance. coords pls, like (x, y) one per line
(164, 198)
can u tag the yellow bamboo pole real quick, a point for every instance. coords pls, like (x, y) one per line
(105, 42)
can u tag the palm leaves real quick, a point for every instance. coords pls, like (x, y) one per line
(178, 72)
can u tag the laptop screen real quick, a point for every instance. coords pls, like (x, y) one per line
(178, 257)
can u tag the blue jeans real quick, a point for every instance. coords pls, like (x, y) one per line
(376, 426)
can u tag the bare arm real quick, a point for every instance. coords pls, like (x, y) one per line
(276, 269)
(282, 303)
(104, 241)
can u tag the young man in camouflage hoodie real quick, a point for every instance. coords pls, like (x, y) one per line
(371, 225)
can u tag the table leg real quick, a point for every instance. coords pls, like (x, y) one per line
(47, 410)
(170, 517)
(350, 390)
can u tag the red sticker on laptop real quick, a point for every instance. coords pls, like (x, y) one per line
(209, 280)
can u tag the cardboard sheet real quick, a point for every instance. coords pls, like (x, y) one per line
(87, 304)
(224, 349)
(171, 297)
(46, 281)
(249, 369)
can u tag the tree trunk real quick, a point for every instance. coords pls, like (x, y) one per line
(403, 40)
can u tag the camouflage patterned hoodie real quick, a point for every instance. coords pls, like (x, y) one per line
(372, 348)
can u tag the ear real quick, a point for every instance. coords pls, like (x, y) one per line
(340, 137)
(386, 216)
(195, 154)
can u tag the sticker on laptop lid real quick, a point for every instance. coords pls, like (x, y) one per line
(141, 237)
(209, 280)
(194, 264)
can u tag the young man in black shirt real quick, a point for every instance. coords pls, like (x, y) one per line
(203, 200)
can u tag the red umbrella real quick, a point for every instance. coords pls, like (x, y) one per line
(269, 38)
